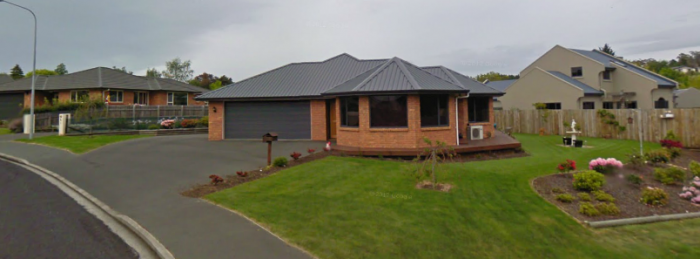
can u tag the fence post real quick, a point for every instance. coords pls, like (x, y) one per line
(182, 111)
(158, 111)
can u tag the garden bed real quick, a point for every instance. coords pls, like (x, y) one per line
(627, 195)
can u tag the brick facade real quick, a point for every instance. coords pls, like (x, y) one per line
(154, 97)
(216, 121)
(319, 124)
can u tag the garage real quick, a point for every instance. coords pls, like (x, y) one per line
(11, 105)
(251, 120)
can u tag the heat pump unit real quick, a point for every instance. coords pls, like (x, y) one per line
(476, 132)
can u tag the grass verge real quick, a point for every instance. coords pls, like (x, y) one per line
(80, 144)
(4, 131)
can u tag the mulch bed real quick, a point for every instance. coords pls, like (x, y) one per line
(627, 195)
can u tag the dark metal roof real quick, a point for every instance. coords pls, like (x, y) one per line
(474, 87)
(608, 61)
(100, 78)
(395, 75)
(296, 79)
(5, 78)
(501, 85)
(587, 90)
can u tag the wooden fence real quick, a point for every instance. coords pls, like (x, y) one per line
(685, 123)
(133, 112)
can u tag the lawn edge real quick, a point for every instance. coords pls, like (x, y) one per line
(121, 141)
(83, 153)
(262, 226)
(584, 224)
(43, 145)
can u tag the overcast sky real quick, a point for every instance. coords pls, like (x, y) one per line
(241, 38)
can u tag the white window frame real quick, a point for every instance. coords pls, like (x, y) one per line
(106, 93)
(138, 100)
(74, 96)
(171, 98)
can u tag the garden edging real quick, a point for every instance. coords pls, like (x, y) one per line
(642, 220)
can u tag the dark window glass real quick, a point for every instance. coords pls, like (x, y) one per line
(177, 98)
(632, 105)
(608, 105)
(350, 111)
(79, 96)
(619, 105)
(576, 71)
(433, 110)
(553, 106)
(479, 109)
(661, 104)
(606, 75)
(388, 111)
(116, 96)
(589, 105)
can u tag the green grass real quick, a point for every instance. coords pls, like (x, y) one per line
(360, 208)
(4, 131)
(80, 144)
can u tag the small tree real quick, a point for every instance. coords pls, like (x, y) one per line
(437, 152)
(90, 110)
(607, 49)
(16, 72)
(61, 69)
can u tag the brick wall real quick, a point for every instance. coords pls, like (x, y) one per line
(488, 126)
(38, 98)
(216, 121)
(154, 97)
(319, 130)
(158, 98)
(191, 100)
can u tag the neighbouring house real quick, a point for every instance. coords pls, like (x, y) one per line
(686, 69)
(5, 78)
(687, 98)
(574, 79)
(362, 104)
(500, 86)
(97, 83)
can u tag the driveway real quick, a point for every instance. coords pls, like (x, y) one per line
(142, 178)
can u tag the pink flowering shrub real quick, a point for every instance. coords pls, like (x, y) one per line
(604, 166)
(692, 193)
(167, 124)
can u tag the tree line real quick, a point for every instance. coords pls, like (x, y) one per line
(175, 69)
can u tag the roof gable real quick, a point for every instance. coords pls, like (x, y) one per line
(588, 90)
(610, 62)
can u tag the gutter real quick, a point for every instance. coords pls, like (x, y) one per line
(457, 115)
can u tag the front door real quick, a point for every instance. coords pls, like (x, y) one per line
(332, 129)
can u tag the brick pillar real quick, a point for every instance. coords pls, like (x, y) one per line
(216, 121)
(319, 125)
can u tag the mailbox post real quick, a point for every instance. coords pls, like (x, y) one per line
(269, 137)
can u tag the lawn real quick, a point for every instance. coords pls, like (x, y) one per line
(4, 131)
(343, 207)
(80, 144)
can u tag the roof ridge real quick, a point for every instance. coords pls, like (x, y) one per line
(472, 79)
(419, 68)
(452, 76)
(373, 75)
(407, 74)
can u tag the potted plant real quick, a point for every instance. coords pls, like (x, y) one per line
(567, 141)
(578, 143)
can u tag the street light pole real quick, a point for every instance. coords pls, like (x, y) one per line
(31, 109)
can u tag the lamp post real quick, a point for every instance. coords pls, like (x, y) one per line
(31, 109)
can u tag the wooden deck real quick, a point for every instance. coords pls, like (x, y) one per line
(500, 141)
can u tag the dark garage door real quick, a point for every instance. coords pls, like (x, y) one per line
(250, 120)
(10, 105)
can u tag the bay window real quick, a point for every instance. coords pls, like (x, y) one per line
(433, 110)
(388, 111)
(350, 111)
(479, 109)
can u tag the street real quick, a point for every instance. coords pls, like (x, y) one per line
(37, 220)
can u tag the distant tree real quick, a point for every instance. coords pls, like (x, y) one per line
(41, 72)
(215, 85)
(61, 69)
(178, 70)
(16, 72)
(694, 81)
(607, 49)
(205, 79)
(495, 76)
(677, 76)
(225, 80)
(695, 58)
(685, 60)
(123, 69)
(152, 72)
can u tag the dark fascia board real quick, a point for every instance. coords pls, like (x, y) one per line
(491, 94)
(246, 99)
(667, 86)
(398, 92)
(594, 94)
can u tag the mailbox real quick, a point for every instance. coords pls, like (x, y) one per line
(269, 137)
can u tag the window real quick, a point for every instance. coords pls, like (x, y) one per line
(619, 105)
(177, 98)
(141, 98)
(576, 71)
(589, 105)
(433, 110)
(115, 96)
(388, 111)
(606, 75)
(79, 96)
(553, 106)
(608, 105)
(479, 109)
(661, 104)
(632, 105)
(350, 112)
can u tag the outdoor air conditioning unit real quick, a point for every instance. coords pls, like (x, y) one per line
(476, 132)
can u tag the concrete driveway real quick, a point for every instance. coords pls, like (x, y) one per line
(142, 178)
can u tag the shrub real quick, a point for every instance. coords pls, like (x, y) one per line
(16, 126)
(600, 195)
(280, 162)
(588, 181)
(671, 136)
(586, 208)
(311, 150)
(557, 190)
(654, 196)
(634, 179)
(215, 179)
(167, 124)
(584, 196)
(189, 123)
(565, 198)
(667, 143)
(295, 155)
(607, 208)
(694, 168)
(604, 166)
(673, 152)
(669, 175)
(119, 124)
(635, 160)
(242, 173)
(692, 193)
(153, 127)
(657, 156)
(567, 166)
(204, 121)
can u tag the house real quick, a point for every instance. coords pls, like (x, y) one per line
(573, 79)
(686, 69)
(362, 104)
(5, 78)
(101, 82)
(687, 98)
(500, 86)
